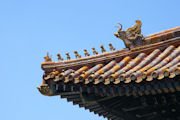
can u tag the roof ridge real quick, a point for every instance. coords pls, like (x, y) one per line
(119, 54)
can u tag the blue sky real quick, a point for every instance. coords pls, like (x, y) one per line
(30, 28)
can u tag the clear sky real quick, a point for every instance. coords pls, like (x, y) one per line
(30, 28)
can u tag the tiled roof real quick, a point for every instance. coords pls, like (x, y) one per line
(100, 82)
(136, 71)
(158, 63)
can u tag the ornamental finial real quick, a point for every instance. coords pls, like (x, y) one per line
(86, 53)
(102, 49)
(68, 56)
(77, 54)
(111, 47)
(132, 37)
(59, 57)
(47, 58)
(94, 51)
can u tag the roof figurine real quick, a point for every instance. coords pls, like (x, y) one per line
(68, 56)
(111, 47)
(59, 57)
(77, 54)
(86, 53)
(47, 58)
(132, 37)
(136, 29)
(102, 49)
(94, 51)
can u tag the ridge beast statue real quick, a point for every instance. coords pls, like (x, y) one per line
(132, 37)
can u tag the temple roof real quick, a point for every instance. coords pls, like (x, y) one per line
(157, 60)
(138, 82)
(156, 64)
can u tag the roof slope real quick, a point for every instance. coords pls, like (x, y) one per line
(148, 77)
(155, 61)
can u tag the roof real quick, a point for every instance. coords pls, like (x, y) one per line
(100, 82)
(122, 66)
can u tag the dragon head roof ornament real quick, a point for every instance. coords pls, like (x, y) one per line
(132, 37)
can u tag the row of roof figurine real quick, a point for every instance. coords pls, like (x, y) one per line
(48, 58)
